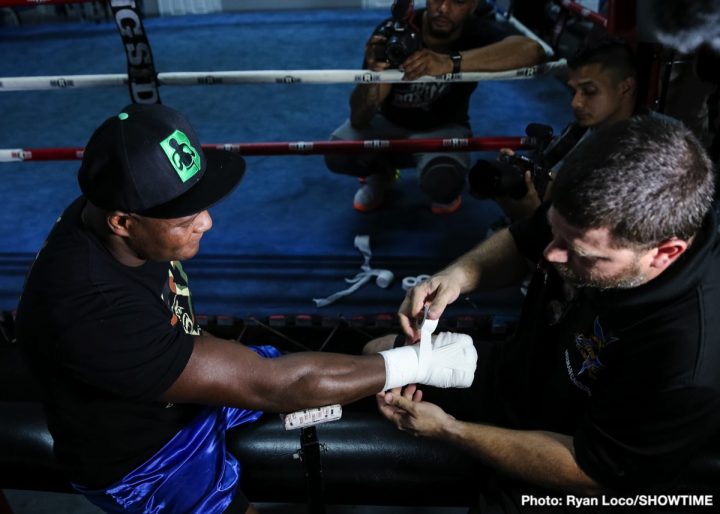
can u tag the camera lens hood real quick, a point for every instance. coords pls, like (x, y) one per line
(487, 179)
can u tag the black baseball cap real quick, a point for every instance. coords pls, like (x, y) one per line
(147, 160)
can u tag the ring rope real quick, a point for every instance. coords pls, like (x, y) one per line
(512, 20)
(27, 3)
(207, 78)
(305, 147)
(508, 17)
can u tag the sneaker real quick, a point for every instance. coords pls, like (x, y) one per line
(371, 194)
(446, 208)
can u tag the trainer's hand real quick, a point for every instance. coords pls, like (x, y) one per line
(439, 291)
(451, 363)
(414, 416)
(411, 392)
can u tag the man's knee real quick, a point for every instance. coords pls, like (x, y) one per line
(352, 164)
(340, 163)
(443, 179)
(337, 163)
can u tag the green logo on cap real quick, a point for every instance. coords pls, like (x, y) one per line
(181, 154)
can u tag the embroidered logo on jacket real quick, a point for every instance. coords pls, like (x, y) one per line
(589, 350)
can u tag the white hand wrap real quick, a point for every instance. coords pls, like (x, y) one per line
(450, 363)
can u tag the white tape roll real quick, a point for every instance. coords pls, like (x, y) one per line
(384, 278)
(410, 282)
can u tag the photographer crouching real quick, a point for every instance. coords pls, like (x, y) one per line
(448, 36)
(602, 77)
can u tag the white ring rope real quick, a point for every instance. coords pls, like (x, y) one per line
(194, 78)
(549, 52)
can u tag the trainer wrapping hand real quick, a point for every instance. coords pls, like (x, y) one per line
(487, 267)
(430, 296)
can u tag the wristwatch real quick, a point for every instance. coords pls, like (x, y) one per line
(456, 58)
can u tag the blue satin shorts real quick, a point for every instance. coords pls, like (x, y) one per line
(192, 473)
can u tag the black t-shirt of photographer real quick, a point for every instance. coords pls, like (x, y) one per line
(427, 105)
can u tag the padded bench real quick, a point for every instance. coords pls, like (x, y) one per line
(361, 459)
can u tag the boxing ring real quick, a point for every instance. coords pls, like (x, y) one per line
(284, 237)
(252, 113)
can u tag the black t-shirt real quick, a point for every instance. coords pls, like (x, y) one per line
(105, 340)
(632, 374)
(427, 105)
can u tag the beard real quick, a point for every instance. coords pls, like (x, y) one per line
(441, 33)
(627, 278)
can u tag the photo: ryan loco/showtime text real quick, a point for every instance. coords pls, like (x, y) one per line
(640, 500)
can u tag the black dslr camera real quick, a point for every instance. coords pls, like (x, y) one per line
(506, 176)
(403, 38)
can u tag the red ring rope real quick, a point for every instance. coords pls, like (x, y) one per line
(305, 147)
(576, 8)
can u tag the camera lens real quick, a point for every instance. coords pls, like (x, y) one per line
(483, 179)
(395, 51)
(491, 179)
